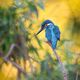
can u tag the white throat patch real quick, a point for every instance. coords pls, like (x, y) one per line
(49, 24)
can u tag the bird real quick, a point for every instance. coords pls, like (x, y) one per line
(52, 32)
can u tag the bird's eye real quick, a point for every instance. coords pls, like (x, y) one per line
(46, 25)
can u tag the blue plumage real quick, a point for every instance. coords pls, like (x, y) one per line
(52, 32)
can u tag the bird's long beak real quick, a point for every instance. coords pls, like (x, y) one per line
(39, 31)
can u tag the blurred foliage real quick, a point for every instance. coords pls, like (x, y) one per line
(12, 27)
(14, 31)
(75, 16)
(74, 20)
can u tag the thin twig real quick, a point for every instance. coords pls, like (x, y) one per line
(34, 59)
(10, 51)
(18, 71)
(77, 75)
(32, 68)
(24, 63)
(8, 54)
(17, 66)
(31, 65)
(63, 70)
(76, 62)
(19, 75)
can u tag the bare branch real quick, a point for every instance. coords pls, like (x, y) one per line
(31, 65)
(8, 54)
(63, 70)
(33, 59)
(10, 51)
(18, 71)
(17, 66)
(77, 75)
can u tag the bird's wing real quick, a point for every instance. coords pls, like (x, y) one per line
(48, 35)
(57, 32)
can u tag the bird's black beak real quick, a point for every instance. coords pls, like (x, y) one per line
(39, 31)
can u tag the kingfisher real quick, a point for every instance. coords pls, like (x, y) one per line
(52, 32)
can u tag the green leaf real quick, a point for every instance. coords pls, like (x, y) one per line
(40, 4)
(39, 42)
(32, 49)
(33, 8)
(63, 41)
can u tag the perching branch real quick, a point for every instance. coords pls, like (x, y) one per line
(61, 65)
(63, 70)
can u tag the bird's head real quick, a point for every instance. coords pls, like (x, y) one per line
(45, 24)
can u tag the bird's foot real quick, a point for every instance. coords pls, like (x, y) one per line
(48, 43)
